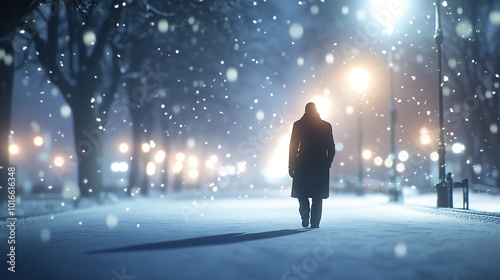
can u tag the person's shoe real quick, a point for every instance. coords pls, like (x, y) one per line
(314, 226)
(305, 219)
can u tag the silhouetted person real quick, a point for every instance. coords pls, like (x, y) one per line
(312, 149)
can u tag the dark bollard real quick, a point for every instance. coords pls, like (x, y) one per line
(443, 192)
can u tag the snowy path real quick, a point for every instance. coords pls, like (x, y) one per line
(231, 238)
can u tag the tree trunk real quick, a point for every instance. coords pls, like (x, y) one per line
(88, 145)
(136, 164)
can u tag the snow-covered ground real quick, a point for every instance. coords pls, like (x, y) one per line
(189, 236)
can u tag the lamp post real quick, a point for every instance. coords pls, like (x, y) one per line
(443, 187)
(359, 80)
(394, 191)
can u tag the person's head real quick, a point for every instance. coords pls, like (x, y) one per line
(311, 108)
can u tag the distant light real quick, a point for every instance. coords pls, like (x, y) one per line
(323, 105)
(119, 166)
(457, 148)
(400, 167)
(58, 161)
(151, 168)
(403, 156)
(367, 154)
(193, 174)
(434, 156)
(38, 141)
(146, 147)
(296, 31)
(180, 156)
(193, 161)
(115, 167)
(425, 139)
(152, 144)
(13, 149)
(123, 148)
(388, 162)
(123, 166)
(160, 156)
(378, 161)
(349, 110)
(178, 166)
(232, 74)
(359, 79)
(210, 163)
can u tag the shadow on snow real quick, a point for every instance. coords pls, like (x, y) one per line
(203, 241)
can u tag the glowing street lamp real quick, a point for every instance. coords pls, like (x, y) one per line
(387, 13)
(13, 149)
(38, 141)
(160, 156)
(145, 147)
(123, 148)
(58, 161)
(359, 79)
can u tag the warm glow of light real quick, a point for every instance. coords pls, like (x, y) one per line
(180, 157)
(151, 168)
(359, 79)
(13, 149)
(387, 13)
(58, 161)
(38, 141)
(160, 156)
(367, 154)
(178, 166)
(425, 139)
(123, 148)
(400, 167)
(457, 148)
(434, 156)
(210, 163)
(119, 166)
(193, 174)
(278, 164)
(388, 162)
(378, 161)
(193, 162)
(403, 156)
(323, 105)
(146, 147)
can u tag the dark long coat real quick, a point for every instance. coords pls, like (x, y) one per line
(312, 149)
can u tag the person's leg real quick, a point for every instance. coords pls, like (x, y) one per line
(304, 210)
(316, 209)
